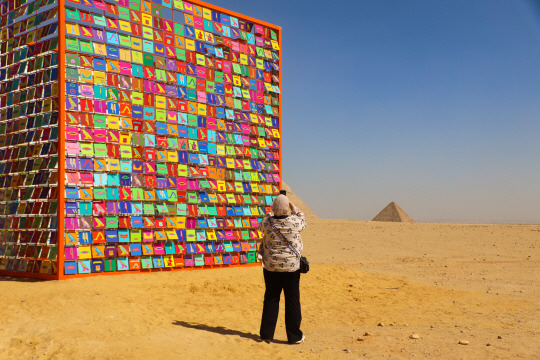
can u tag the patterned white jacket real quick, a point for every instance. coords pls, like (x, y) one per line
(276, 254)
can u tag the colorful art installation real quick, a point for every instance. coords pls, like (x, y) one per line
(135, 136)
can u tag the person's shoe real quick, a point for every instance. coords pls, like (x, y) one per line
(301, 340)
(268, 341)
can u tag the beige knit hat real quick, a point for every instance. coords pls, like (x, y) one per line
(280, 206)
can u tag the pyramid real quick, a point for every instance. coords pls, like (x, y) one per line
(299, 203)
(392, 212)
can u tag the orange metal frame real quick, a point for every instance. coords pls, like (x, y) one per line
(61, 136)
(61, 150)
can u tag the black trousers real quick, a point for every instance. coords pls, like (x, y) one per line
(290, 283)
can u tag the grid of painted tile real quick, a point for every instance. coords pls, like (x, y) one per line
(172, 130)
(28, 136)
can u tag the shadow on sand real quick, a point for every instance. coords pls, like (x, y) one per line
(21, 279)
(223, 331)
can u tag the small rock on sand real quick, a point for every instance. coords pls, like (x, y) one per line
(414, 336)
(380, 324)
(463, 342)
(360, 338)
(367, 333)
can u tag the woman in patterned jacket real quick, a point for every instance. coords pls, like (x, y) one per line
(281, 268)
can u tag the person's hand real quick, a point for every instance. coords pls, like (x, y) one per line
(293, 208)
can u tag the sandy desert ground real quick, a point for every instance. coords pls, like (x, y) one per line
(444, 282)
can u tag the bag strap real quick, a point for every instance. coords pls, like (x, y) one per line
(282, 237)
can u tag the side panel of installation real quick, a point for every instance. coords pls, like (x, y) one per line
(29, 138)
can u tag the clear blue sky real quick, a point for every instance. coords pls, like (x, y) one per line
(432, 104)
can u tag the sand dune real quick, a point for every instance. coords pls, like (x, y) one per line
(445, 282)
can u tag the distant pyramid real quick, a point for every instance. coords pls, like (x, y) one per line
(298, 202)
(392, 212)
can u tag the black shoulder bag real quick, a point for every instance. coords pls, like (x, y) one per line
(304, 263)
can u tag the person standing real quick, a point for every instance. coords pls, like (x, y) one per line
(281, 268)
